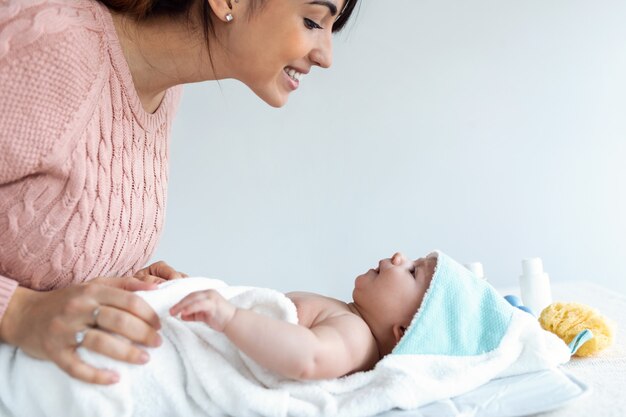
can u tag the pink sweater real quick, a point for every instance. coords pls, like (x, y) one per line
(83, 168)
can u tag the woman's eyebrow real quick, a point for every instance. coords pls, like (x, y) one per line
(331, 6)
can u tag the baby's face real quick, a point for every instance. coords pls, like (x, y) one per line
(396, 288)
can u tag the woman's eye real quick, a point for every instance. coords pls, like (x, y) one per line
(310, 24)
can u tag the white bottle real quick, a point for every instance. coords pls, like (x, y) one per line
(535, 285)
(477, 269)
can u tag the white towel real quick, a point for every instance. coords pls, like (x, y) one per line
(198, 372)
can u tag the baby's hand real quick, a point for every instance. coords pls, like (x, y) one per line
(207, 306)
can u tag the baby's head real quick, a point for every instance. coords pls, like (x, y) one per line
(431, 305)
(389, 296)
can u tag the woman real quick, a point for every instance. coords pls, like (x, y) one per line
(88, 91)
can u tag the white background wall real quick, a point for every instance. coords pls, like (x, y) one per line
(492, 129)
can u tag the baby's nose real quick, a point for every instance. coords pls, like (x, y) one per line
(398, 259)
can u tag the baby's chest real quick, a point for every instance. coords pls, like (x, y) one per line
(313, 308)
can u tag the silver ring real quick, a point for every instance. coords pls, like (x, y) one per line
(79, 336)
(95, 315)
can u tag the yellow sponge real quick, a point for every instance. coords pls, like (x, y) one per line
(566, 320)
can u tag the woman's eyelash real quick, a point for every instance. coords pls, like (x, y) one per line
(310, 24)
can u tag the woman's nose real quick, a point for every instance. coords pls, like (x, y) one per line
(322, 54)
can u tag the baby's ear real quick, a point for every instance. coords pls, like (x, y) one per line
(398, 332)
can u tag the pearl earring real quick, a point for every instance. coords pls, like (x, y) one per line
(229, 17)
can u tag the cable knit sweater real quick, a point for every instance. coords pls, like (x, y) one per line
(83, 167)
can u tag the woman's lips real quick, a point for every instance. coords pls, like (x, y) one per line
(291, 83)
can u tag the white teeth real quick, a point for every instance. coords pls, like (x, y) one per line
(293, 74)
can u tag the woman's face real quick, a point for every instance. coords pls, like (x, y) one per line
(272, 50)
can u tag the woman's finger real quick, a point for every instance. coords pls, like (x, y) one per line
(70, 362)
(127, 283)
(163, 270)
(152, 279)
(125, 324)
(114, 347)
(124, 300)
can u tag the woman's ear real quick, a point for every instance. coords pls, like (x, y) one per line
(398, 332)
(223, 9)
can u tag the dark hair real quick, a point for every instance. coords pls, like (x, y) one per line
(146, 9)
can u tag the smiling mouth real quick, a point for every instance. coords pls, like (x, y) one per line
(293, 74)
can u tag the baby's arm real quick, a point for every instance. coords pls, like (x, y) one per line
(332, 348)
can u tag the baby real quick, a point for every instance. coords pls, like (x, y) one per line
(332, 338)
(425, 330)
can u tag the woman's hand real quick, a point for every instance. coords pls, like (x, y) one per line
(49, 325)
(158, 272)
(207, 306)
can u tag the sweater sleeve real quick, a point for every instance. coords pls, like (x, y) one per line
(7, 288)
(48, 65)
